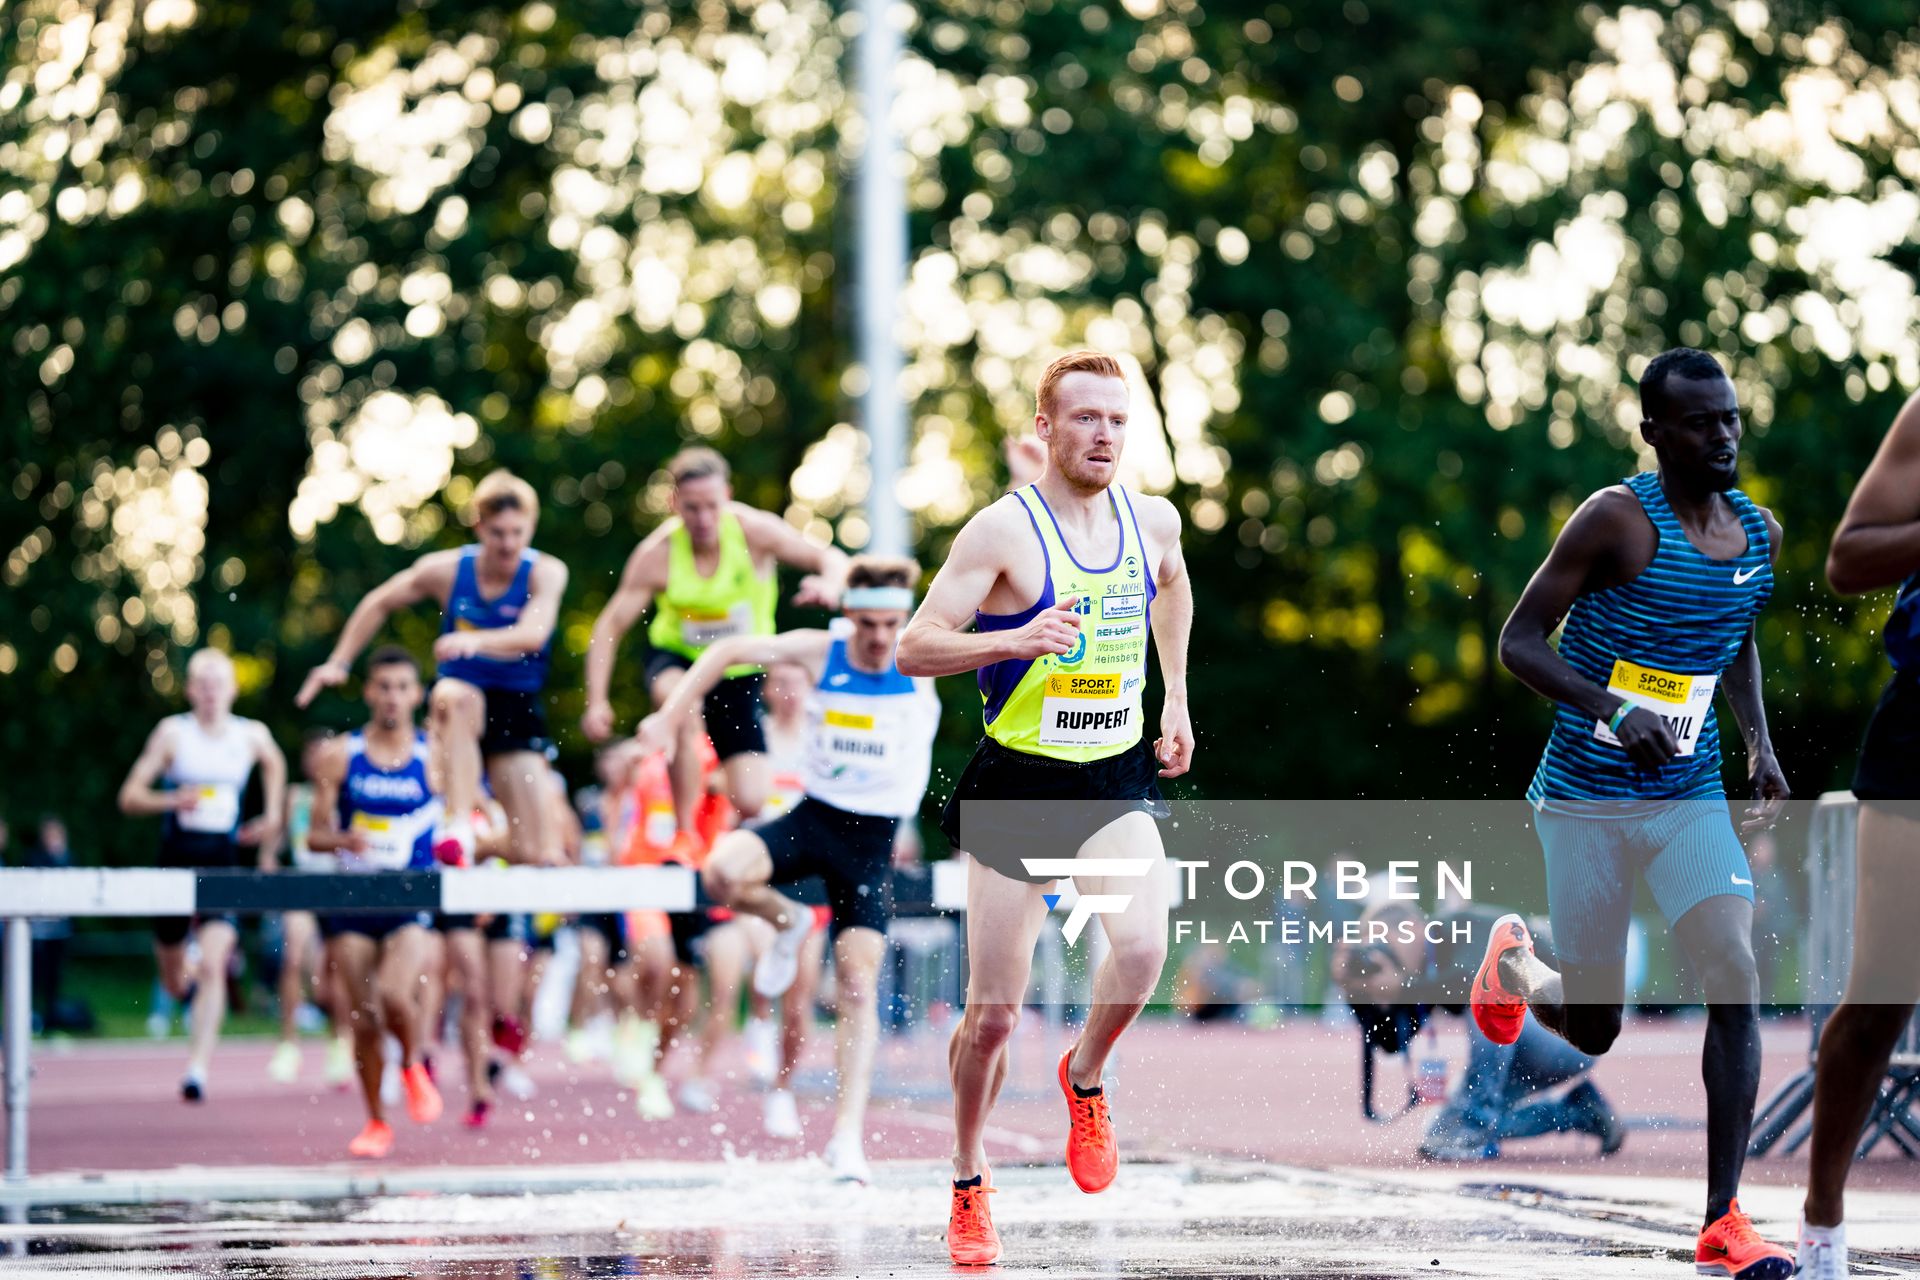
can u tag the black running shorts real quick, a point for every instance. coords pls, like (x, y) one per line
(851, 853)
(1889, 765)
(195, 851)
(515, 722)
(731, 708)
(1061, 804)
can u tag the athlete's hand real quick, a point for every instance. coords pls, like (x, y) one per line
(327, 675)
(816, 592)
(457, 644)
(180, 799)
(1648, 741)
(1770, 791)
(1174, 747)
(1054, 630)
(597, 723)
(353, 840)
(257, 832)
(1026, 460)
(655, 734)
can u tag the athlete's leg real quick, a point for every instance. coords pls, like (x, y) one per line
(170, 958)
(1136, 942)
(796, 1009)
(1717, 936)
(1859, 1038)
(217, 941)
(507, 960)
(351, 957)
(433, 988)
(1590, 883)
(594, 980)
(298, 930)
(467, 964)
(397, 982)
(857, 954)
(521, 784)
(1004, 916)
(728, 953)
(456, 718)
(748, 778)
(737, 874)
(683, 771)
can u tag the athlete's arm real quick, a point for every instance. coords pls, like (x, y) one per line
(937, 641)
(329, 772)
(431, 576)
(1584, 551)
(1172, 623)
(659, 731)
(1878, 541)
(826, 566)
(644, 577)
(528, 635)
(1742, 684)
(138, 796)
(265, 831)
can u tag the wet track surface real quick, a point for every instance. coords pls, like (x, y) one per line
(787, 1219)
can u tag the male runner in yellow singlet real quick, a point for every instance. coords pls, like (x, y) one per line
(1061, 581)
(708, 573)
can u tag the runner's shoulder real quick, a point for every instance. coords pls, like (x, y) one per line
(1159, 518)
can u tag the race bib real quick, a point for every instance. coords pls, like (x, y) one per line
(1087, 711)
(389, 841)
(851, 742)
(660, 826)
(700, 628)
(216, 808)
(1684, 702)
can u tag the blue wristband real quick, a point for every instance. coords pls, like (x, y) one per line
(1613, 725)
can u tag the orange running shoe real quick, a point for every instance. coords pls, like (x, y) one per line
(1093, 1157)
(374, 1142)
(423, 1100)
(971, 1239)
(687, 849)
(1498, 1011)
(1731, 1247)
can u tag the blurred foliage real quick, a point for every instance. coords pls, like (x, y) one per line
(280, 281)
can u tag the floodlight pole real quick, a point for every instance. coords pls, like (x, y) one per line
(880, 254)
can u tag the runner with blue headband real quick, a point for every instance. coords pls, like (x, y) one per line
(869, 750)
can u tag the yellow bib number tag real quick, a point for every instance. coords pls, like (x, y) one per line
(1087, 711)
(216, 808)
(701, 628)
(1684, 702)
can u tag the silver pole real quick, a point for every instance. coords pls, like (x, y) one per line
(19, 1035)
(881, 253)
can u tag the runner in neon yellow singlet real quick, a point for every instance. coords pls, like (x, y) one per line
(709, 575)
(1048, 596)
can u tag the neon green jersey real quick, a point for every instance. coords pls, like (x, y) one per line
(695, 612)
(1083, 704)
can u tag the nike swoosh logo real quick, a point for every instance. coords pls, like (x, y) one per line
(1740, 578)
(1738, 880)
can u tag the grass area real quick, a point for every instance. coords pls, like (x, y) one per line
(119, 990)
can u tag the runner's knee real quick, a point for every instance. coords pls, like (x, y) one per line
(990, 1026)
(1137, 962)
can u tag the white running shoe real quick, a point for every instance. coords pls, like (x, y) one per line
(517, 1082)
(1821, 1253)
(763, 1050)
(775, 971)
(847, 1161)
(780, 1115)
(339, 1068)
(651, 1099)
(392, 1089)
(696, 1095)
(284, 1066)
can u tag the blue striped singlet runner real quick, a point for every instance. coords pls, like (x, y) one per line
(1663, 641)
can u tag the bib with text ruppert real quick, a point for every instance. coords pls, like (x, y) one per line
(1084, 704)
(1661, 641)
